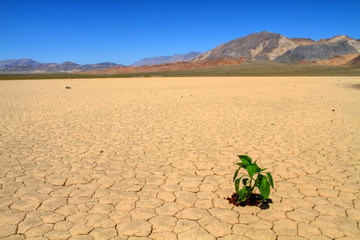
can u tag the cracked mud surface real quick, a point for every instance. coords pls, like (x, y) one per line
(153, 158)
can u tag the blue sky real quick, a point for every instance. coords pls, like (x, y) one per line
(124, 31)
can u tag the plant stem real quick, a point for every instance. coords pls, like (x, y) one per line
(253, 187)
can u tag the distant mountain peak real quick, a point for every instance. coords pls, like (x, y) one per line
(21, 61)
(263, 46)
(166, 59)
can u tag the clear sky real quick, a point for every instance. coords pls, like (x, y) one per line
(124, 31)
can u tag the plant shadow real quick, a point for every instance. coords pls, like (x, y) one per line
(266, 205)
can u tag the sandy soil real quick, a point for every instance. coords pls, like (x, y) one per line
(154, 157)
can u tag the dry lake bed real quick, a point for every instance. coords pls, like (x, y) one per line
(153, 158)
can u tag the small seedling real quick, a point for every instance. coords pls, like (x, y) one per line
(255, 179)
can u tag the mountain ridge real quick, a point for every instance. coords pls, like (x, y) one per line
(166, 59)
(177, 66)
(256, 47)
(267, 46)
(28, 65)
(317, 51)
(264, 47)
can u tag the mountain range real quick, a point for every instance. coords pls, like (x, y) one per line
(261, 48)
(256, 47)
(267, 46)
(27, 65)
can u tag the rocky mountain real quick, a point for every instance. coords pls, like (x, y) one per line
(267, 46)
(27, 65)
(166, 59)
(320, 50)
(263, 46)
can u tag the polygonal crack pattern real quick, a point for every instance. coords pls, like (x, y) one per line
(154, 158)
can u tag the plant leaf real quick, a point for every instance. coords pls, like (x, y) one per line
(237, 184)
(270, 179)
(245, 159)
(245, 180)
(241, 195)
(243, 165)
(258, 180)
(252, 169)
(258, 168)
(264, 188)
(236, 173)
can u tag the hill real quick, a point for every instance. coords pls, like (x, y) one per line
(179, 66)
(354, 62)
(336, 61)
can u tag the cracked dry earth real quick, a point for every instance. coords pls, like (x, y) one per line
(153, 158)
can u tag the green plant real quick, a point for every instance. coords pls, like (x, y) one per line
(262, 182)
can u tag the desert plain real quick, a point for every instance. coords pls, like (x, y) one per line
(153, 158)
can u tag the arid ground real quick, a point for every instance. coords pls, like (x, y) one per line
(153, 158)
